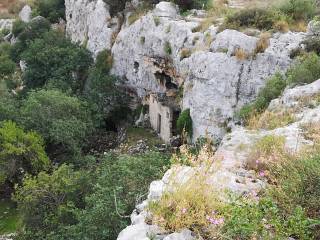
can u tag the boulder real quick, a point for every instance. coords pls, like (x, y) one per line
(230, 40)
(313, 28)
(6, 24)
(25, 14)
(183, 235)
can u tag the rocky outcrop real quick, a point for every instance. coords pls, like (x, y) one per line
(233, 155)
(163, 51)
(6, 24)
(25, 14)
(89, 23)
(216, 83)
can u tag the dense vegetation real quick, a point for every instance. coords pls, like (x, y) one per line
(63, 190)
(48, 113)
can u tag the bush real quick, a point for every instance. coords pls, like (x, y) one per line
(7, 66)
(55, 62)
(273, 88)
(53, 10)
(312, 44)
(63, 121)
(191, 4)
(48, 201)
(18, 27)
(257, 18)
(299, 9)
(307, 70)
(20, 152)
(247, 219)
(184, 123)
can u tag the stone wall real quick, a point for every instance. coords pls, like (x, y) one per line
(161, 118)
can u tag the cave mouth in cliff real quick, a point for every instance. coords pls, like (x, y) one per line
(165, 81)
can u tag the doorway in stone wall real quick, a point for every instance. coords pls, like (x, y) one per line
(159, 124)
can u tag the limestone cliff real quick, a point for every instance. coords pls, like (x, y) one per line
(163, 51)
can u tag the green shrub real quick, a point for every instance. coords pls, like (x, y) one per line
(258, 18)
(55, 62)
(63, 121)
(20, 152)
(246, 219)
(312, 44)
(7, 66)
(53, 10)
(48, 201)
(104, 61)
(307, 70)
(18, 27)
(273, 88)
(191, 4)
(167, 48)
(184, 123)
(299, 9)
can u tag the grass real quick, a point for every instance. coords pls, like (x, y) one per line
(271, 120)
(136, 134)
(9, 217)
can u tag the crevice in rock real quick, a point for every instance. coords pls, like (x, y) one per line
(239, 83)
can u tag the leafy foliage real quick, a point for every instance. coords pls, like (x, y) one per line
(55, 62)
(299, 9)
(20, 152)
(53, 10)
(47, 201)
(184, 122)
(62, 120)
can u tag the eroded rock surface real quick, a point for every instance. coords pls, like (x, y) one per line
(90, 23)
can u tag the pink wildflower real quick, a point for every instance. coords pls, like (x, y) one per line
(184, 210)
(262, 173)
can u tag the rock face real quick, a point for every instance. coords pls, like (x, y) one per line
(6, 24)
(163, 51)
(89, 23)
(25, 13)
(216, 83)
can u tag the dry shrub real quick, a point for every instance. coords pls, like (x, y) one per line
(204, 25)
(271, 120)
(263, 43)
(299, 26)
(269, 150)
(282, 26)
(194, 204)
(185, 53)
(240, 54)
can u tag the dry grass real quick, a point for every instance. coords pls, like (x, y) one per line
(204, 24)
(241, 54)
(281, 26)
(185, 53)
(194, 204)
(271, 120)
(10, 8)
(299, 26)
(269, 150)
(263, 43)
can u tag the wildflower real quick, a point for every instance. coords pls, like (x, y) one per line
(184, 210)
(262, 173)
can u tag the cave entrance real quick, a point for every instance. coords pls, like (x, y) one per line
(159, 124)
(166, 81)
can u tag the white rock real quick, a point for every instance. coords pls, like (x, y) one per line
(139, 232)
(166, 9)
(25, 14)
(313, 28)
(6, 24)
(230, 40)
(89, 22)
(183, 235)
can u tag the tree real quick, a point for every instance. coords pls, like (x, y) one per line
(20, 152)
(53, 10)
(62, 120)
(47, 201)
(55, 62)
